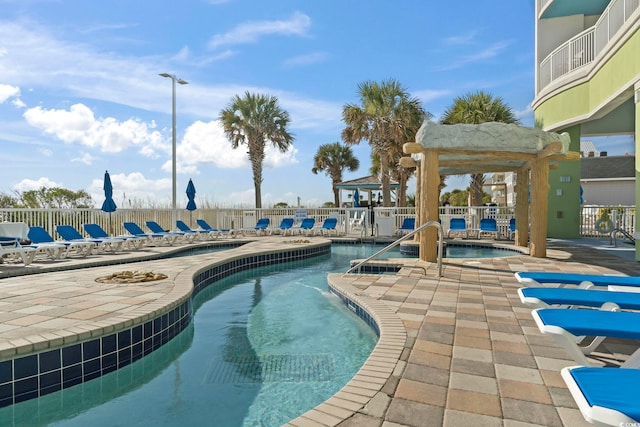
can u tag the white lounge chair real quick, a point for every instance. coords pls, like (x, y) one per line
(567, 326)
(10, 247)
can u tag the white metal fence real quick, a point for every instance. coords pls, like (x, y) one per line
(595, 220)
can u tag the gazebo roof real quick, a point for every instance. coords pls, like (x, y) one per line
(371, 182)
(487, 147)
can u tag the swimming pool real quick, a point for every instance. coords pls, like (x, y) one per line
(464, 250)
(253, 355)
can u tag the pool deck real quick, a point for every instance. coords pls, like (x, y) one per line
(454, 350)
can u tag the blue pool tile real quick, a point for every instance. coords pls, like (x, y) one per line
(25, 389)
(50, 360)
(25, 367)
(91, 349)
(124, 339)
(108, 344)
(6, 371)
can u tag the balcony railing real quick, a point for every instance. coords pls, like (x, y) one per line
(585, 47)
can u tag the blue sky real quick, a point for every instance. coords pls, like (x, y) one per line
(80, 91)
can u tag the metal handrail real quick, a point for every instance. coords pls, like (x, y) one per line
(625, 234)
(406, 236)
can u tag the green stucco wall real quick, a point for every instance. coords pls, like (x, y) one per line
(564, 197)
(637, 173)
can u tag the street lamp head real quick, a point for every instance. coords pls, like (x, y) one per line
(174, 78)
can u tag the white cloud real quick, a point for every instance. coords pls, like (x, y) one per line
(428, 95)
(46, 152)
(79, 125)
(242, 198)
(526, 112)
(30, 184)
(274, 158)
(461, 39)
(488, 53)
(7, 91)
(133, 189)
(251, 32)
(311, 58)
(206, 143)
(85, 158)
(82, 71)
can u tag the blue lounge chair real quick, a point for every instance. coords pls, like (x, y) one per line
(97, 232)
(566, 326)
(157, 228)
(547, 297)
(488, 226)
(182, 226)
(306, 226)
(458, 226)
(408, 225)
(512, 228)
(328, 227)
(285, 226)
(135, 230)
(205, 226)
(39, 236)
(70, 234)
(581, 280)
(262, 226)
(605, 396)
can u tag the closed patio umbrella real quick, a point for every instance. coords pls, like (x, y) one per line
(356, 199)
(191, 195)
(108, 205)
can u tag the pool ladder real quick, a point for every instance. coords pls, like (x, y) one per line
(435, 224)
(625, 235)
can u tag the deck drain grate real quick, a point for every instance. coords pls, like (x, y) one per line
(271, 368)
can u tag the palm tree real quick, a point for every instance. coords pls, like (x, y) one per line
(386, 117)
(254, 120)
(476, 108)
(397, 173)
(333, 159)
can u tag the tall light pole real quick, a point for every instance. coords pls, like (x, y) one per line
(174, 80)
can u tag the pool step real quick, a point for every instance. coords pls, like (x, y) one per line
(251, 368)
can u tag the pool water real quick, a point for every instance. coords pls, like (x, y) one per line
(265, 346)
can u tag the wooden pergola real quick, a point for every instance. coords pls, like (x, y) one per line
(485, 148)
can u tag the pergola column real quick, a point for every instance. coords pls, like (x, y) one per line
(522, 207)
(539, 206)
(429, 205)
(420, 219)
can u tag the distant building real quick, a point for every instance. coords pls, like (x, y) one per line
(608, 180)
(605, 180)
(588, 149)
